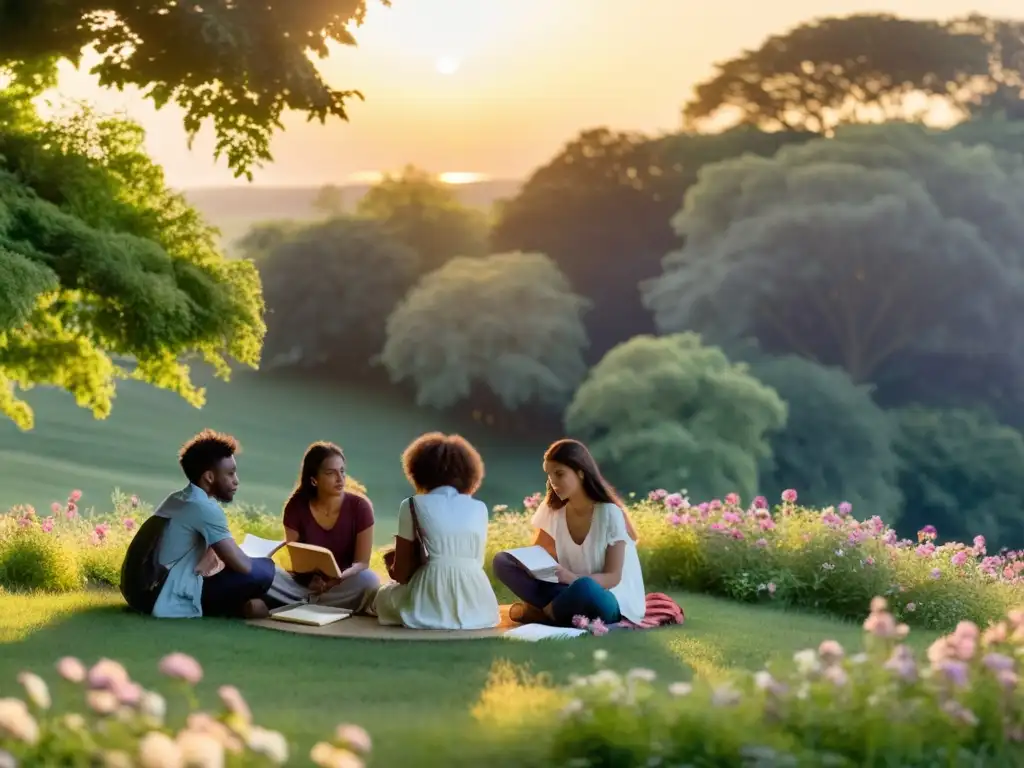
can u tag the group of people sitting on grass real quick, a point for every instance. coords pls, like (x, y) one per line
(437, 571)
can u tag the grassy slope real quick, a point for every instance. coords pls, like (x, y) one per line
(275, 419)
(415, 697)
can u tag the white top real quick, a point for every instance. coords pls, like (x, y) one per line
(607, 527)
(452, 591)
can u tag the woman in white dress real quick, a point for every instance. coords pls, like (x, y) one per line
(451, 589)
(583, 525)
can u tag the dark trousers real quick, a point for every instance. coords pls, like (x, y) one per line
(584, 597)
(227, 593)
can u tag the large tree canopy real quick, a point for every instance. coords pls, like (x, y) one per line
(508, 323)
(837, 444)
(672, 413)
(853, 251)
(863, 68)
(427, 216)
(601, 208)
(241, 64)
(104, 272)
(329, 289)
(963, 473)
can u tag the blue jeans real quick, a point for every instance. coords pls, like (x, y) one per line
(227, 593)
(584, 597)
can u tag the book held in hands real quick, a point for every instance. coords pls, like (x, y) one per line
(537, 561)
(305, 558)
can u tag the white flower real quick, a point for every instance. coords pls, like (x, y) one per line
(680, 689)
(35, 689)
(17, 722)
(270, 744)
(153, 705)
(572, 708)
(200, 750)
(158, 750)
(646, 675)
(355, 738)
(600, 655)
(763, 680)
(807, 660)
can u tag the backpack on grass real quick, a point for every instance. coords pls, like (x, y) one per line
(142, 575)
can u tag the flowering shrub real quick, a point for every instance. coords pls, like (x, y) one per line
(113, 721)
(882, 706)
(819, 560)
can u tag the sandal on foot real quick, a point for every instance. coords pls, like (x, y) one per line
(523, 613)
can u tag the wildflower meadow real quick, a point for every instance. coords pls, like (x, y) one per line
(880, 705)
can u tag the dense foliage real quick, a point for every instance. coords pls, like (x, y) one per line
(509, 324)
(425, 214)
(672, 412)
(241, 65)
(329, 289)
(106, 273)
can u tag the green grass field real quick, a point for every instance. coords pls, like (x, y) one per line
(135, 449)
(415, 698)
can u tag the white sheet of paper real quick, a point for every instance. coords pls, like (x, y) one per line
(314, 615)
(534, 558)
(254, 546)
(535, 632)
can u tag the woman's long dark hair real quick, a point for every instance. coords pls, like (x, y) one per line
(576, 456)
(313, 459)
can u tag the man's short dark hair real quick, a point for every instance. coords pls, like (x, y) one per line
(204, 452)
(435, 459)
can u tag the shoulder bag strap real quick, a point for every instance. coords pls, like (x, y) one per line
(417, 531)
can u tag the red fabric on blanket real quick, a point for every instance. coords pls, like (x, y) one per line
(661, 610)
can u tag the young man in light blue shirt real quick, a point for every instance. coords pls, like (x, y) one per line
(196, 522)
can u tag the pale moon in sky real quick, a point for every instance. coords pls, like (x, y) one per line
(447, 65)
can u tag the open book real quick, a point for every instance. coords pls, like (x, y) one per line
(537, 561)
(536, 632)
(312, 615)
(305, 558)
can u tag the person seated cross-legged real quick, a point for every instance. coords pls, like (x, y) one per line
(583, 526)
(208, 574)
(322, 512)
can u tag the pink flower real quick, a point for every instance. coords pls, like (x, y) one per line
(845, 508)
(107, 674)
(47, 525)
(789, 496)
(74, 496)
(580, 622)
(72, 511)
(181, 667)
(760, 502)
(598, 628)
(71, 669)
(56, 508)
(100, 532)
(129, 524)
(135, 501)
(234, 702)
(25, 522)
(935, 573)
(928, 533)
(657, 495)
(674, 501)
(732, 499)
(911, 607)
(761, 543)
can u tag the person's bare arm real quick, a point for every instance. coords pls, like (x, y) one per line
(290, 535)
(543, 539)
(611, 573)
(404, 559)
(364, 550)
(233, 556)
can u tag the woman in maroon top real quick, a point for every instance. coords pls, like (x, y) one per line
(320, 512)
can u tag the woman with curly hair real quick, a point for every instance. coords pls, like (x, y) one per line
(438, 567)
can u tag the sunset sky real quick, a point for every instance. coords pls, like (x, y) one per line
(495, 87)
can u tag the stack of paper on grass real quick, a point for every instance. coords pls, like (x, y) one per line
(535, 632)
(312, 615)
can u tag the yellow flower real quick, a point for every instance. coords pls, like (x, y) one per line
(17, 722)
(158, 750)
(35, 689)
(270, 744)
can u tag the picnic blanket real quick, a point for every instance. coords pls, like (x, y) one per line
(660, 611)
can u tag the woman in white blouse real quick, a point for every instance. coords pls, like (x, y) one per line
(450, 590)
(584, 526)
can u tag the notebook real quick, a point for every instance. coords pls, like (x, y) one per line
(309, 614)
(537, 561)
(535, 632)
